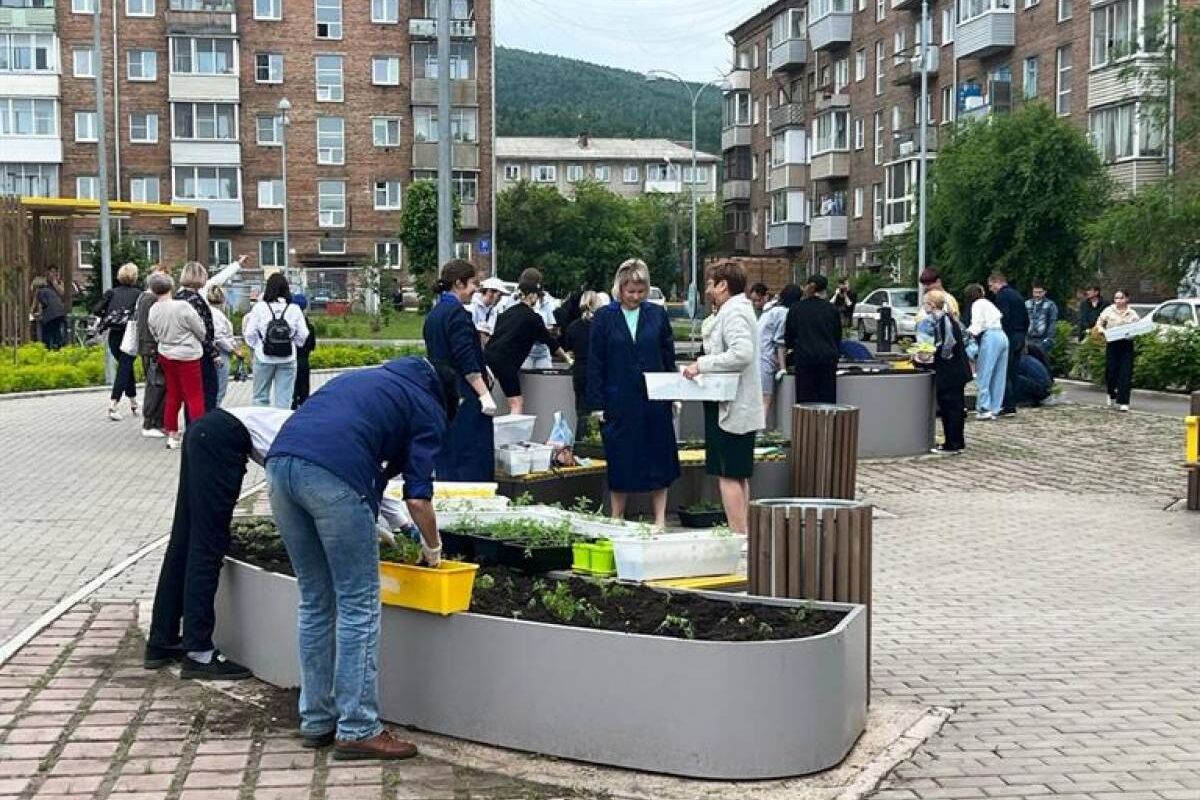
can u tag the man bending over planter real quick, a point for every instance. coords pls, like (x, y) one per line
(215, 451)
(326, 474)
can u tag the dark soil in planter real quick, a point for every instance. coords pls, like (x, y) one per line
(257, 542)
(701, 518)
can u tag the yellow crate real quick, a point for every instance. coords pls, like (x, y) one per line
(445, 590)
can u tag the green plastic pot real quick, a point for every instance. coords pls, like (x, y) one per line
(581, 557)
(603, 561)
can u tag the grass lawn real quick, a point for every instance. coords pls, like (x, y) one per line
(398, 325)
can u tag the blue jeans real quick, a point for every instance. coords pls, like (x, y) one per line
(280, 376)
(329, 533)
(990, 370)
(222, 365)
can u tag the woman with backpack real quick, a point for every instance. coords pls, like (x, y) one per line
(116, 311)
(273, 329)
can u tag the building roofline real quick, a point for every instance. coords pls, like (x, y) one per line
(761, 18)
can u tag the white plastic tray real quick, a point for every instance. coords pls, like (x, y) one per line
(512, 428)
(673, 386)
(676, 555)
(1130, 331)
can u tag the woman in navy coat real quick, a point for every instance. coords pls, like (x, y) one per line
(451, 339)
(629, 338)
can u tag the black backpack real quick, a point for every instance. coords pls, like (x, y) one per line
(277, 340)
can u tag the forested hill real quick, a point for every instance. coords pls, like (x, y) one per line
(544, 95)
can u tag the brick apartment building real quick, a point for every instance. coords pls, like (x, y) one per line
(820, 137)
(192, 98)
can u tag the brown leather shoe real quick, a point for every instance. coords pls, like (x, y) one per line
(383, 746)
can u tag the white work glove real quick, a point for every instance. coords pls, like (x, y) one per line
(780, 375)
(384, 532)
(488, 404)
(676, 407)
(430, 556)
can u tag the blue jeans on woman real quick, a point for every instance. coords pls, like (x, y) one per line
(991, 368)
(280, 376)
(329, 533)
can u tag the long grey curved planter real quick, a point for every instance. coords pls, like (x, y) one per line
(725, 710)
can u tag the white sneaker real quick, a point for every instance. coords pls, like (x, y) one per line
(1123, 407)
(174, 442)
(133, 408)
(985, 416)
(1109, 402)
(114, 415)
(152, 433)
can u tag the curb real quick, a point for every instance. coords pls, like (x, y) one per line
(1152, 394)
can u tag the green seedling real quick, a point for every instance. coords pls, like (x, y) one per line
(678, 623)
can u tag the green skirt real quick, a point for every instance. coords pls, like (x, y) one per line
(726, 455)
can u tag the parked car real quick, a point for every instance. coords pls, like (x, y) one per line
(1177, 313)
(657, 297)
(903, 303)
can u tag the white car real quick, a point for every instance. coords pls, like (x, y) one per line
(657, 297)
(1175, 314)
(903, 303)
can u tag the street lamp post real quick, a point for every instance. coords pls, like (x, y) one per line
(694, 93)
(923, 163)
(284, 107)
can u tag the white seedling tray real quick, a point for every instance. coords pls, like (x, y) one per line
(1130, 331)
(673, 386)
(512, 428)
(676, 555)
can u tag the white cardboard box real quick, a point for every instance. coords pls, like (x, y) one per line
(673, 386)
(1130, 331)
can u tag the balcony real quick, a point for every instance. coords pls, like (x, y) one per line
(788, 176)
(908, 67)
(204, 88)
(462, 93)
(906, 143)
(829, 99)
(1135, 174)
(736, 136)
(465, 156)
(425, 28)
(831, 30)
(739, 81)
(737, 241)
(469, 219)
(33, 149)
(223, 213)
(832, 165)
(914, 5)
(194, 17)
(734, 190)
(206, 154)
(31, 84)
(782, 235)
(998, 102)
(992, 32)
(831, 228)
(33, 19)
(789, 115)
(663, 186)
(788, 54)
(1124, 81)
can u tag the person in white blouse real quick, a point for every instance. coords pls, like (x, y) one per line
(992, 360)
(224, 340)
(273, 368)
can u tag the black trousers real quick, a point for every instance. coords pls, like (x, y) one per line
(1016, 349)
(154, 397)
(1118, 370)
(216, 448)
(54, 333)
(952, 409)
(208, 374)
(124, 383)
(303, 386)
(816, 383)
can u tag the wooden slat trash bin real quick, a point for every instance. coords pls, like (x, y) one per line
(824, 450)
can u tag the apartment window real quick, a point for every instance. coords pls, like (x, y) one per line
(87, 187)
(385, 70)
(512, 172)
(28, 117)
(330, 85)
(465, 186)
(879, 74)
(220, 252)
(697, 178)
(143, 127)
(385, 11)
(270, 253)
(34, 180)
(662, 172)
(144, 189)
(387, 195)
(737, 109)
(948, 25)
(329, 19)
(831, 132)
(900, 46)
(1125, 131)
(1062, 87)
(331, 140)
(83, 6)
(268, 131)
(193, 55)
(947, 104)
(268, 67)
(574, 173)
(877, 209)
(860, 65)
(860, 133)
(331, 247)
(84, 62)
(206, 183)
(602, 173)
(841, 74)
(1031, 3)
(28, 52)
(143, 65)
(85, 126)
(1124, 28)
(462, 60)
(631, 174)
(544, 173)
(211, 121)
(385, 131)
(152, 248)
(464, 124)
(268, 9)
(880, 10)
(331, 204)
(270, 193)
(139, 8)
(1064, 10)
(858, 202)
(878, 137)
(1029, 78)
(462, 250)
(387, 253)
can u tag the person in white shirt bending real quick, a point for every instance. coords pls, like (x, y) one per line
(273, 329)
(991, 363)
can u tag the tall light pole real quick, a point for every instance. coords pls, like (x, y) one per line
(445, 216)
(102, 173)
(284, 106)
(694, 93)
(923, 162)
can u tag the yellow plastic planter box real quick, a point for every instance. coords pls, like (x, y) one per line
(445, 590)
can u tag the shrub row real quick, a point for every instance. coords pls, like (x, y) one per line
(1167, 361)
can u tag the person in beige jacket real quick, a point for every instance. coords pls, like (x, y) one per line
(179, 332)
(731, 346)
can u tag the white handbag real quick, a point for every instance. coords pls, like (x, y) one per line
(129, 342)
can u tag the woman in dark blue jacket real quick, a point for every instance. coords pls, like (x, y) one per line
(631, 337)
(451, 340)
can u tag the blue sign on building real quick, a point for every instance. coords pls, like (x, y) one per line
(485, 245)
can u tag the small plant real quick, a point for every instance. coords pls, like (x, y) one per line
(484, 582)
(704, 507)
(678, 623)
(523, 499)
(405, 551)
(722, 531)
(564, 605)
(611, 589)
(800, 613)
(644, 531)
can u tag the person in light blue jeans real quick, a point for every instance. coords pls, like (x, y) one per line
(274, 362)
(991, 365)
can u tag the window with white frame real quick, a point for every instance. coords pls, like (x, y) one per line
(512, 172)
(329, 19)
(385, 131)
(144, 189)
(1125, 28)
(459, 9)
(831, 132)
(1126, 131)
(631, 174)
(387, 195)
(268, 130)
(1029, 78)
(660, 172)
(877, 210)
(900, 54)
(1064, 10)
(462, 60)
(21, 116)
(880, 10)
(387, 253)
(737, 109)
(858, 202)
(139, 8)
(268, 67)
(270, 193)
(271, 253)
(152, 247)
(860, 64)
(860, 133)
(970, 9)
(143, 127)
(385, 70)
(83, 62)
(878, 141)
(206, 121)
(879, 68)
(87, 187)
(544, 173)
(83, 252)
(331, 204)
(85, 126)
(789, 206)
(268, 9)
(1031, 3)
(788, 147)
(83, 6)
(28, 52)
(206, 183)
(948, 25)
(947, 104)
(203, 55)
(143, 65)
(899, 180)
(462, 250)
(841, 74)
(464, 124)
(331, 140)
(220, 252)
(574, 173)
(1062, 83)
(331, 246)
(34, 180)
(465, 186)
(330, 81)
(385, 11)
(697, 178)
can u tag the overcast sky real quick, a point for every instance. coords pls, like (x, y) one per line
(686, 36)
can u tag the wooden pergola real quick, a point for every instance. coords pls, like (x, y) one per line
(35, 234)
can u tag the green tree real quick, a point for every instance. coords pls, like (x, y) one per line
(419, 233)
(125, 249)
(664, 227)
(1013, 194)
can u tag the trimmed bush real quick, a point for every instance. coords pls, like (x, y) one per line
(1165, 362)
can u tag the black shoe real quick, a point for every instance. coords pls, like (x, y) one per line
(1008, 412)
(159, 657)
(317, 742)
(219, 668)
